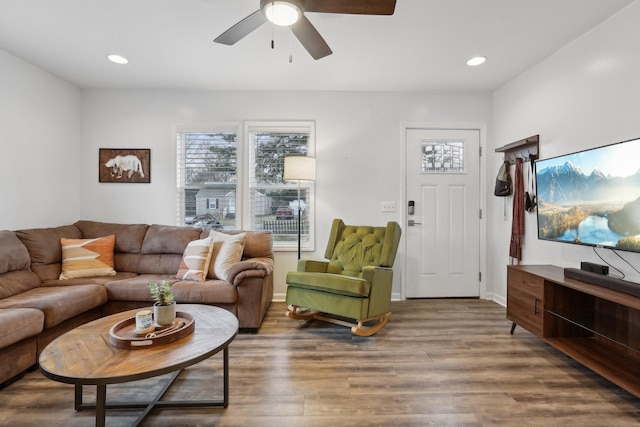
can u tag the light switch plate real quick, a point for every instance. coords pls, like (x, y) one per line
(388, 206)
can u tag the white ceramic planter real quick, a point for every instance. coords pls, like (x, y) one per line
(164, 315)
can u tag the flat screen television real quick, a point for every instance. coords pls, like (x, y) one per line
(591, 197)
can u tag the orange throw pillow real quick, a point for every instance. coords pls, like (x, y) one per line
(87, 257)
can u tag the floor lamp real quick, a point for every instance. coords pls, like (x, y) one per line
(299, 168)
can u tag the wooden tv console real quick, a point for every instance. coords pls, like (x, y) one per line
(596, 326)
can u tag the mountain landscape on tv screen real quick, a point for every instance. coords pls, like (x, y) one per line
(595, 209)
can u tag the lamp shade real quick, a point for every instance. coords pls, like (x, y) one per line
(299, 168)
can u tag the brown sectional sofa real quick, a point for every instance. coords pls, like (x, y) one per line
(36, 307)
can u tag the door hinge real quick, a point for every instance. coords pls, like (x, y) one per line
(480, 147)
(480, 213)
(479, 276)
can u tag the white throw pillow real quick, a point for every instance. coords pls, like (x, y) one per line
(227, 251)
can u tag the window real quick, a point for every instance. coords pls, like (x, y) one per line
(272, 203)
(443, 156)
(226, 184)
(207, 177)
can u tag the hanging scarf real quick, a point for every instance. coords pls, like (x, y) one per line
(517, 226)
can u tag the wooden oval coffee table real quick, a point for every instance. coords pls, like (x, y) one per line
(84, 356)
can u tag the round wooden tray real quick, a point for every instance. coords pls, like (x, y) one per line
(123, 335)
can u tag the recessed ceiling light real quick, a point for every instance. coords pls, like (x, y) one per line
(476, 60)
(117, 59)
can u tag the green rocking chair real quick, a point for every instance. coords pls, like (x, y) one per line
(355, 283)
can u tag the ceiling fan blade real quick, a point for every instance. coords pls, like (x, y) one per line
(361, 7)
(310, 38)
(242, 28)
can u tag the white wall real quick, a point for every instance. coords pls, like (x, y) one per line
(584, 96)
(358, 148)
(40, 147)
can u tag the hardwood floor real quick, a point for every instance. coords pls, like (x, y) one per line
(443, 362)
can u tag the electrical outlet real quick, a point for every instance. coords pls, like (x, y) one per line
(388, 206)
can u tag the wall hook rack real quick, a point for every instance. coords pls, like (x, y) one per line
(526, 149)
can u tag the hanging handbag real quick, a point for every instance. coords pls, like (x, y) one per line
(530, 201)
(504, 185)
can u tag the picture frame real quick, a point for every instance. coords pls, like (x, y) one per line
(124, 165)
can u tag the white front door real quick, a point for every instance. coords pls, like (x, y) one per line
(443, 233)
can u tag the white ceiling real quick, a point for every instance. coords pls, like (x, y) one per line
(423, 47)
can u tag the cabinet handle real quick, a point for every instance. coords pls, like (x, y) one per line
(535, 306)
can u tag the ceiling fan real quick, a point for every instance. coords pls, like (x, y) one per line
(291, 13)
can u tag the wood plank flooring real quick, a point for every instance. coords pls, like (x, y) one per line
(442, 362)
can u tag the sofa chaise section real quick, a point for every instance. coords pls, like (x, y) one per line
(33, 315)
(18, 342)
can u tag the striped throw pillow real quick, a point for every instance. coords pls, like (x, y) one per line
(195, 260)
(87, 257)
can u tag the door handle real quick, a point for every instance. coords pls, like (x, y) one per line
(412, 223)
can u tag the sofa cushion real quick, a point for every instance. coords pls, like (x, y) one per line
(15, 276)
(18, 324)
(135, 288)
(209, 292)
(257, 244)
(120, 275)
(87, 257)
(195, 260)
(227, 251)
(15, 282)
(168, 239)
(13, 253)
(163, 247)
(44, 248)
(327, 282)
(58, 303)
(129, 237)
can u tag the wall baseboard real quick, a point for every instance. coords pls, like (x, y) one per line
(498, 299)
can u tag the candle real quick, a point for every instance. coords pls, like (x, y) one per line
(144, 323)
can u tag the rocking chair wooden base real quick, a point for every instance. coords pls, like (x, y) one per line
(360, 329)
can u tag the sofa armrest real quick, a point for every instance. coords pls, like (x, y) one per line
(312, 266)
(253, 280)
(381, 281)
(252, 267)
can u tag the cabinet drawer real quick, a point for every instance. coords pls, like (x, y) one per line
(524, 300)
(525, 282)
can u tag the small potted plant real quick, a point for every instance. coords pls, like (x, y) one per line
(164, 308)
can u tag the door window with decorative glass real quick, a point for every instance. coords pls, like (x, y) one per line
(442, 157)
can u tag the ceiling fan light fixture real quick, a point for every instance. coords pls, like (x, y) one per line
(282, 13)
